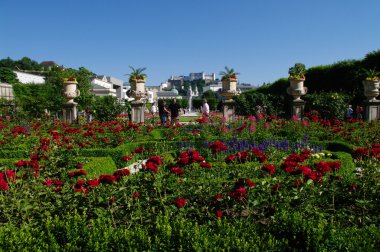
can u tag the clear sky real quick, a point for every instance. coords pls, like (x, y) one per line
(260, 39)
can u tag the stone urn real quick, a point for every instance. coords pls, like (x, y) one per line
(70, 91)
(229, 88)
(138, 89)
(297, 89)
(371, 89)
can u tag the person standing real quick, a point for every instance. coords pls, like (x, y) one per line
(205, 108)
(174, 111)
(154, 110)
(163, 112)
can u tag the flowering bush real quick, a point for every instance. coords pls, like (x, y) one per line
(284, 183)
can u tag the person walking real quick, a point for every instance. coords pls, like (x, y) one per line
(174, 111)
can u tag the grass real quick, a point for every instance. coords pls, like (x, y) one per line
(97, 166)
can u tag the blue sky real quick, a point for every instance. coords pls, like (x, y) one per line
(259, 39)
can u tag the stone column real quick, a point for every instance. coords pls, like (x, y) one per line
(228, 92)
(229, 110)
(138, 111)
(298, 108)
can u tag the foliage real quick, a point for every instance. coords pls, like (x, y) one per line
(258, 184)
(106, 108)
(371, 74)
(137, 74)
(247, 102)
(8, 76)
(297, 71)
(33, 99)
(23, 64)
(329, 104)
(229, 73)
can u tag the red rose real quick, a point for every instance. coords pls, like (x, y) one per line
(181, 202)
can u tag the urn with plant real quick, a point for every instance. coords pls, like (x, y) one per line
(296, 79)
(137, 80)
(371, 83)
(229, 83)
(70, 90)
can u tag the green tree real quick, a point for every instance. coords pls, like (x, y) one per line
(106, 108)
(7, 75)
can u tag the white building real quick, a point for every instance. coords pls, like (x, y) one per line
(27, 78)
(107, 85)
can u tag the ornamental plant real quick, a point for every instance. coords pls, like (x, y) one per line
(371, 74)
(297, 72)
(229, 73)
(137, 74)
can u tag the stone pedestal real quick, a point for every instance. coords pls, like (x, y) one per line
(70, 112)
(138, 109)
(372, 110)
(229, 107)
(298, 107)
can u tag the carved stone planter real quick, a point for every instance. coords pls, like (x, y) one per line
(371, 89)
(297, 89)
(229, 88)
(70, 91)
(138, 89)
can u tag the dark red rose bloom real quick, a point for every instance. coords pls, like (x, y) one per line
(219, 213)
(238, 194)
(322, 167)
(270, 168)
(79, 166)
(10, 175)
(126, 158)
(155, 159)
(151, 166)
(183, 161)
(250, 183)
(135, 195)
(335, 165)
(242, 156)
(218, 198)
(360, 153)
(92, 182)
(107, 179)
(230, 159)
(48, 182)
(34, 157)
(121, 173)
(217, 147)
(77, 173)
(177, 171)
(205, 165)
(181, 202)
(3, 185)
